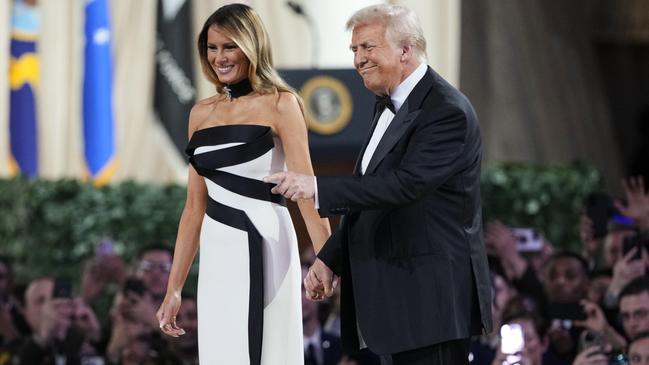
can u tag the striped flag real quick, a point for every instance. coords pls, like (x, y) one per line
(23, 80)
(99, 147)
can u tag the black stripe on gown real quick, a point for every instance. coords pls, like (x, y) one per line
(257, 140)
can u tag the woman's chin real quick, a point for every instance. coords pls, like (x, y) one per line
(229, 79)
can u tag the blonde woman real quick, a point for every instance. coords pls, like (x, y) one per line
(249, 304)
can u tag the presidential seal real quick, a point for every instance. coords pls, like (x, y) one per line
(328, 104)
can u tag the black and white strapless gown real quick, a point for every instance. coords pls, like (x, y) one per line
(249, 284)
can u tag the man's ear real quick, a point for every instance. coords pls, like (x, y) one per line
(406, 53)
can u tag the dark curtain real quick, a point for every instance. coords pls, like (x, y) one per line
(530, 67)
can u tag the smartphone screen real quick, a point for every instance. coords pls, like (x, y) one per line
(599, 208)
(528, 239)
(62, 288)
(629, 243)
(512, 341)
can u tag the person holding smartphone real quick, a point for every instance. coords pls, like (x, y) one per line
(49, 311)
(532, 341)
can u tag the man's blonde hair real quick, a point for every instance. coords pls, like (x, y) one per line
(402, 26)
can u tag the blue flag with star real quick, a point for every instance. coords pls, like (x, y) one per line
(99, 146)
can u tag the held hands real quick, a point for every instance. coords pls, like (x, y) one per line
(167, 315)
(319, 282)
(292, 185)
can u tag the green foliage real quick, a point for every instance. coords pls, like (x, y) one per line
(549, 198)
(52, 226)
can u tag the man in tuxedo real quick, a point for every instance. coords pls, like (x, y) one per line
(409, 250)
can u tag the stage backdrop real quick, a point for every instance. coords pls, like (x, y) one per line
(338, 110)
(143, 148)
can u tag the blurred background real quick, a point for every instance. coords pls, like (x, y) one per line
(94, 102)
(552, 81)
(98, 93)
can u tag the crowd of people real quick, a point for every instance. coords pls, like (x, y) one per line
(411, 235)
(580, 308)
(110, 319)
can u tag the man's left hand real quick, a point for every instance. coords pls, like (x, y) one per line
(292, 185)
(320, 281)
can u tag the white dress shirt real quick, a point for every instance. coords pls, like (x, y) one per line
(398, 96)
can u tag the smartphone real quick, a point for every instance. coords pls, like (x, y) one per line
(528, 239)
(512, 342)
(629, 243)
(62, 288)
(566, 311)
(589, 339)
(637, 240)
(134, 285)
(599, 208)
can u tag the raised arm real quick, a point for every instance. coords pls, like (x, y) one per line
(292, 131)
(187, 240)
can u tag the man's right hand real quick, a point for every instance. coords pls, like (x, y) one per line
(320, 281)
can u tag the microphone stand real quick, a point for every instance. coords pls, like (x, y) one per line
(315, 36)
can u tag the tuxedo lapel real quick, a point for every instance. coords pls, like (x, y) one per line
(359, 159)
(406, 114)
(394, 132)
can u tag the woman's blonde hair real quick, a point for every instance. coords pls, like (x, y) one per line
(243, 25)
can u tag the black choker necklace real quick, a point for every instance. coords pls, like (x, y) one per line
(241, 88)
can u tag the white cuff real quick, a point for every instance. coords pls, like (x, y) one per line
(315, 195)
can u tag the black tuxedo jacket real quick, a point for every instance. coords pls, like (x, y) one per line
(409, 248)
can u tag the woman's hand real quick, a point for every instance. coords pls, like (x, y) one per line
(167, 315)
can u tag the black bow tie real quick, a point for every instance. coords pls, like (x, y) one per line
(383, 102)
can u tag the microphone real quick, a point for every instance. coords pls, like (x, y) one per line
(297, 8)
(315, 39)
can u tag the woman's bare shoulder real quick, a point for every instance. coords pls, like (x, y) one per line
(201, 110)
(283, 102)
(205, 106)
(287, 99)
